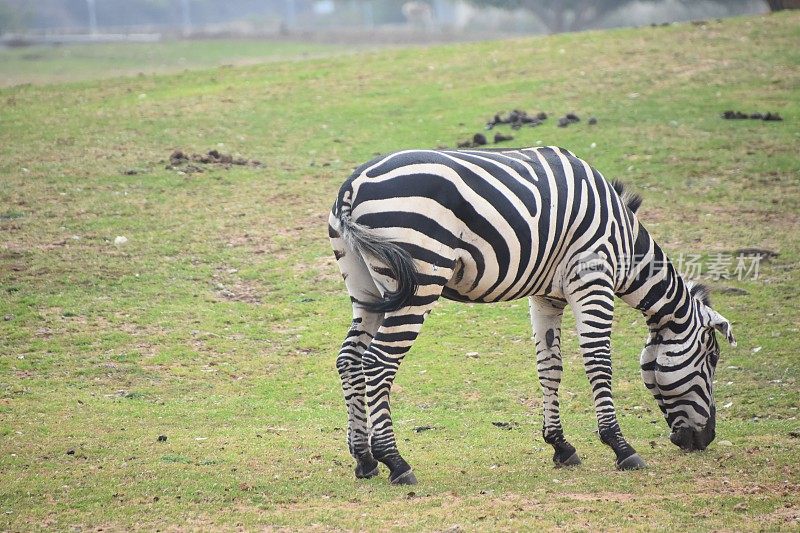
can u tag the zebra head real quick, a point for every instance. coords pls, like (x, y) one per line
(678, 364)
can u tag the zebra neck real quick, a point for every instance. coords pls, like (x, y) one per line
(652, 284)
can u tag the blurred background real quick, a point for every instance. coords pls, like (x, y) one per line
(68, 40)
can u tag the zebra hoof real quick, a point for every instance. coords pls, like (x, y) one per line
(572, 460)
(406, 478)
(632, 462)
(360, 474)
(366, 470)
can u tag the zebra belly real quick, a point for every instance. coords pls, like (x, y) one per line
(467, 284)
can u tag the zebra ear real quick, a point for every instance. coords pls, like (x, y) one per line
(721, 324)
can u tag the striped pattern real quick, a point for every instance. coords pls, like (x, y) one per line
(489, 226)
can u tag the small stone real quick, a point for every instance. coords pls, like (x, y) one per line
(120, 240)
(70, 452)
(592, 121)
(724, 443)
(8, 318)
(162, 438)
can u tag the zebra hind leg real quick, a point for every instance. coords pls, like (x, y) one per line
(349, 362)
(546, 317)
(391, 343)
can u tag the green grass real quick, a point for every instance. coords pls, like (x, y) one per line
(218, 322)
(48, 64)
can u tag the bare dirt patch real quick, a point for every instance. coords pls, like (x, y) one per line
(324, 268)
(234, 289)
(789, 515)
(729, 485)
(619, 497)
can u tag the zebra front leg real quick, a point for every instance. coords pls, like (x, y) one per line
(592, 299)
(546, 317)
(349, 364)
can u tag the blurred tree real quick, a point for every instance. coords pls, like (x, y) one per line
(778, 5)
(560, 15)
(575, 15)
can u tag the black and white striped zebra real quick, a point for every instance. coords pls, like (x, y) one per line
(488, 226)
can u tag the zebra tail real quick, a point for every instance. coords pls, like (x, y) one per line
(398, 262)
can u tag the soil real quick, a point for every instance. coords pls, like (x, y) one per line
(233, 289)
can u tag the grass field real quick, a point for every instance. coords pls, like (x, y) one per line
(76, 62)
(217, 323)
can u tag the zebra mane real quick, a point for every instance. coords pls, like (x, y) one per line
(699, 291)
(632, 200)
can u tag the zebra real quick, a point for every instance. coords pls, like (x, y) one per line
(496, 225)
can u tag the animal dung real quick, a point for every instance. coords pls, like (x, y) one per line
(479, 139)
(569, 118)
(179, 160)
(738, 115)
(517, 119)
